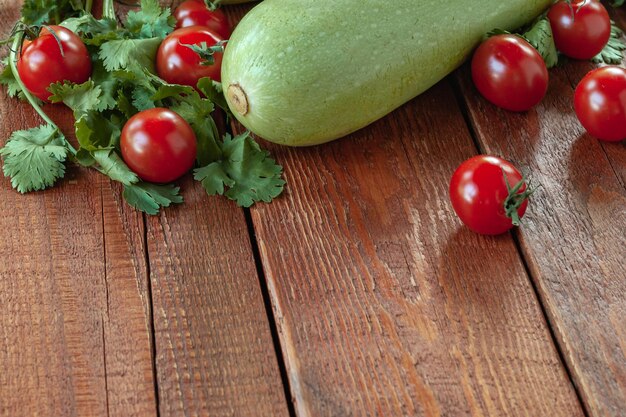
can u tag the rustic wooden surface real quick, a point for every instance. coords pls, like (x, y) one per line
(357, 293)
(574, 238)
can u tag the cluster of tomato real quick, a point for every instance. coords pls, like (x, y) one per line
(487, 192)
(157, 144)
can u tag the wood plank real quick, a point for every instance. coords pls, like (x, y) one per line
(573, 237)
(215, 354)
(386, 305)
(74, 311)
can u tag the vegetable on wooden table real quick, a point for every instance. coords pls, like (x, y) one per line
(55, 55)
(310, 77)
(600, 103)
(201, 13)
(509, 72)
(581, 28)
(489, 194)
(106, 73)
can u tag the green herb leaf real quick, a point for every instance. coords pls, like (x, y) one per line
(149, 198)
(96, 131)
(34, 158)
(150, 21)
(248, 171)
(112, 166)
(7, 78)
(119, 54)
(213, 91)
(541, 38)
(81, 98)
(39, 12)
(613, 52)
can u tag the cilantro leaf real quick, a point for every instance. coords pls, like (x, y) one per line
(149, 198)
(96, 131)
(213, 178)
(81, 98)
(613, 52)
(541, 38)
(39, 12)
(112, 166)
(150, 21)
(120, 53)
(213, 91)
(249, 173)
(142, 98)
(7, 78)
(108, 83)
(197, 112)
(34, 158)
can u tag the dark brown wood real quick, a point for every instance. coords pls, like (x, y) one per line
(573, 237)
(74, 308)
(215, 354)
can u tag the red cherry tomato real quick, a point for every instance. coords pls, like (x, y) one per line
(479, 194)
(158, 145)
(510, 73)
(581, 29)
(600, 103)
(42, 63)
(179, 64)
(195, 13)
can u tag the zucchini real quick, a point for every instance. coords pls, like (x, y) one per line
(305, 72)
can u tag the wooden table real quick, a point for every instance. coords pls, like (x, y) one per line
(358, 293)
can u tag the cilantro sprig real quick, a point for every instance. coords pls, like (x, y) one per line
(122, 84)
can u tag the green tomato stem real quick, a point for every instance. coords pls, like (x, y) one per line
(17, 44)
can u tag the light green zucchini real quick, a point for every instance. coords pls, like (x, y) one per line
(305, 72)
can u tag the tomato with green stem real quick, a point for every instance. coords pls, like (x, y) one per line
(510, 73)
(600, 103)
(158, 145)
(189, 54)
(581, 28)
(197, 13)
(489, 194)
(56, 55)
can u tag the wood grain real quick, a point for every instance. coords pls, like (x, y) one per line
(385, 305)
(215, 354)
(573, 237)
(74, 312)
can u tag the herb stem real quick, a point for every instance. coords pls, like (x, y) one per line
(88, 6)
(108, 9)
(17, 44)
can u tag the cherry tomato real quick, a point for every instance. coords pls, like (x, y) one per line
(480, 196)
(581, 29)
(42, 63)
(196, 13)
(510, 73)
(158, 145)
(179, 64)
(600, 103)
